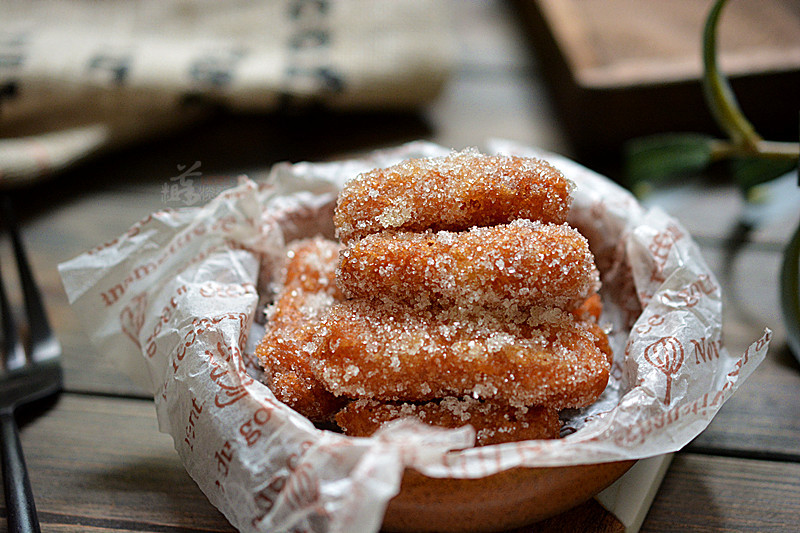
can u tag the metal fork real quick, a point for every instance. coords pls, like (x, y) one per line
(25, 376)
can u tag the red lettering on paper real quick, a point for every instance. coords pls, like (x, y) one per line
(103, 246)
(228, 394)
(112, 295)
(132, 318)
(302, 488)
(224, 458)
(181, 240)
(690, 296)
(166, 314)
(705, 351)
(251, 430)
(190, 426)
(132, 231)
(265, 499)
(637, 433)
(215, 290)
(652, 322)
(201, 325)
(232, 389)
(711, 400)
(760, 344)
(642, 329)
(667, 355)
(660, 248)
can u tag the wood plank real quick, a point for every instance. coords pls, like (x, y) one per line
(706, 493)
(508, 106)
(589, 517)
(760, 420)
(627, 42)
(620, 69)
(100, 464)
(713, 212)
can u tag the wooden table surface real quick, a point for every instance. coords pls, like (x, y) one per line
(97, 461)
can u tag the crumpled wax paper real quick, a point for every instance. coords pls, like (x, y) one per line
(183, 291)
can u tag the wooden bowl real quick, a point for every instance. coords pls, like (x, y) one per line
(506, 500)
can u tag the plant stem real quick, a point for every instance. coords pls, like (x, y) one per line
(776, 150)
(719, 95)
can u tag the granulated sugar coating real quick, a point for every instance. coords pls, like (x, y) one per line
(392, 352)
(311, 266)
(524, 262)
(455, 193)
(309, 291)
(494, 422)
(460, 296)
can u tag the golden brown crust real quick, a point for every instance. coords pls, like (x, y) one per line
(493, 422)
(453, 193)
(311, 266)
(523, 263)
(461, 297)
(395, 353)
(308, 293)
(591, 308)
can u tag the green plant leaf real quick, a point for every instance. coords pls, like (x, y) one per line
(750, 171)
(665, 158)
(790, 292)
(662, 158)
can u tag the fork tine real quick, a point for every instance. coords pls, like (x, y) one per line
(23, 382)
(13, 352)
(44, 344)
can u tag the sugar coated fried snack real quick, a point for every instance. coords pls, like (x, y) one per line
(494, 422)
(281, 353)
(393, 352)
(454, 193)
(311, 266)
(523, 263)
(308, 292)
(459, 295)
(591, 308)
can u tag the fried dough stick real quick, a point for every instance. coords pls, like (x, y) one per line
(308, 292)
(591, 309)
(393, 352)
(494, 422)
(525, 262)
(311, 266)
(453, 193)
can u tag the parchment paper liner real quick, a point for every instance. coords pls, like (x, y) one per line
(181, 289)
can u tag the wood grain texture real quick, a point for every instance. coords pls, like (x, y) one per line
(97, 460)
(760, 420)
(589, 516)
(619, 69)
(100, 463)
(706, 493)
(628, 42)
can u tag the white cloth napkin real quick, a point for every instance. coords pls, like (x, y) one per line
(77, 77)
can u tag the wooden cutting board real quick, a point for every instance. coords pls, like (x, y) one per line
(619, 69)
